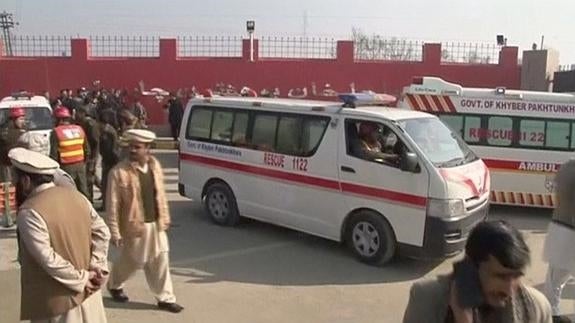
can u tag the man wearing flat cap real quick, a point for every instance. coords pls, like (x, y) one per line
(63, 245)
(138, 216)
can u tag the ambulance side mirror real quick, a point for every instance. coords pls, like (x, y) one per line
(408, 162)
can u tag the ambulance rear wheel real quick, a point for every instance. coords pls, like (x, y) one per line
(371, 239)
(220, 203)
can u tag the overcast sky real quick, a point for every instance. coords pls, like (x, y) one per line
(523, 22)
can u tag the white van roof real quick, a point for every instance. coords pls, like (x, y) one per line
(313, 106)
(24, 101)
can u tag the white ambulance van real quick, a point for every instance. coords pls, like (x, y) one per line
(522, 136)
(38, 112)
(382, 180)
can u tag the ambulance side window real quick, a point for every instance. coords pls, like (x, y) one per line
(454, 122)
(264, 132)
(472, 131)
(241, 121)
(557, 134)
(374, 142)
(501, 129)
(200, 123)
(222, 126)
(289, 134)
(532, 133)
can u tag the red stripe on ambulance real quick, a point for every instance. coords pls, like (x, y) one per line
(393, 196)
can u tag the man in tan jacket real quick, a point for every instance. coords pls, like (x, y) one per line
(63, 246)
(138, 216)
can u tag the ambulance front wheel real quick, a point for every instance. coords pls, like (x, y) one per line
(220, 203)
(370, 237)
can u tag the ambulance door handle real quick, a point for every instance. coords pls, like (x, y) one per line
(347, 169)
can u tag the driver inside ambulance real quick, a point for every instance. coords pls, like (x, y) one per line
(374, 146)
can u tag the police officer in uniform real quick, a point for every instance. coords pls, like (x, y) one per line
(9, 138)
(69, 147)
(109, 148)
(90, 127)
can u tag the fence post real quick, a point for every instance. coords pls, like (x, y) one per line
(1, 48)
(246, 52)
(345, 49)
(169, 49)
(508, 57)
(80, 49)
(432, 53)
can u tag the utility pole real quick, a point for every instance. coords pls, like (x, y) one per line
(7, 23)
(305, 23)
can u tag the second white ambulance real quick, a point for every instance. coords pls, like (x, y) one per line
(383, 180)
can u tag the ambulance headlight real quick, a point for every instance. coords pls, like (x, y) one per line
(445, 208)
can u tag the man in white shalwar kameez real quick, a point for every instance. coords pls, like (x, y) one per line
(138, 216)
(63, 246)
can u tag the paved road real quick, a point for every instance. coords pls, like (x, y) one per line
(260, 273)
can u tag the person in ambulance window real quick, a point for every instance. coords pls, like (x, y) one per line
(375, 147)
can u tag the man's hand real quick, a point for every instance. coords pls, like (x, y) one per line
(117, 242)
(100, 278)
(460, 315)
(92, 285)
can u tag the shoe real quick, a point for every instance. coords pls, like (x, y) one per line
(170, 307)
(561, 319)
(118, 295)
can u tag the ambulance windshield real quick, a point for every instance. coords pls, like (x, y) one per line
(37, 118)
(442, 146)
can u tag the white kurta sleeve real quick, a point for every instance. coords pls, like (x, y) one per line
(35, 238)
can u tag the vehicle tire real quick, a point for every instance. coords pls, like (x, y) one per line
(220, 203)
(371, 239)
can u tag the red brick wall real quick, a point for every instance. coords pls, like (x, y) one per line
(169, 72)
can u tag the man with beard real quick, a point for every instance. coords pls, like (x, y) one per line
(138, 216)
(63, 246)
(485, 286)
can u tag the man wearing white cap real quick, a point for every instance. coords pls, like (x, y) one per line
(63, 246)
(138, 216)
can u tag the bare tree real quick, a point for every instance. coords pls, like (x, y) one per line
(377, 47)
(473, 57)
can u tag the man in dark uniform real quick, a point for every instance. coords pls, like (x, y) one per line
(69, 147)
(175, 114)
(9, 138)
(109, 148)
(90, 127)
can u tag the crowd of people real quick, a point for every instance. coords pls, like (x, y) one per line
(64, 242)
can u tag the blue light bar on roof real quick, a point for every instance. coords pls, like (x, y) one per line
(366, 98)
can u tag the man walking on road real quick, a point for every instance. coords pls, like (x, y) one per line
(63, 246)
(138, 216)
(69, 147)
(560, 239)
